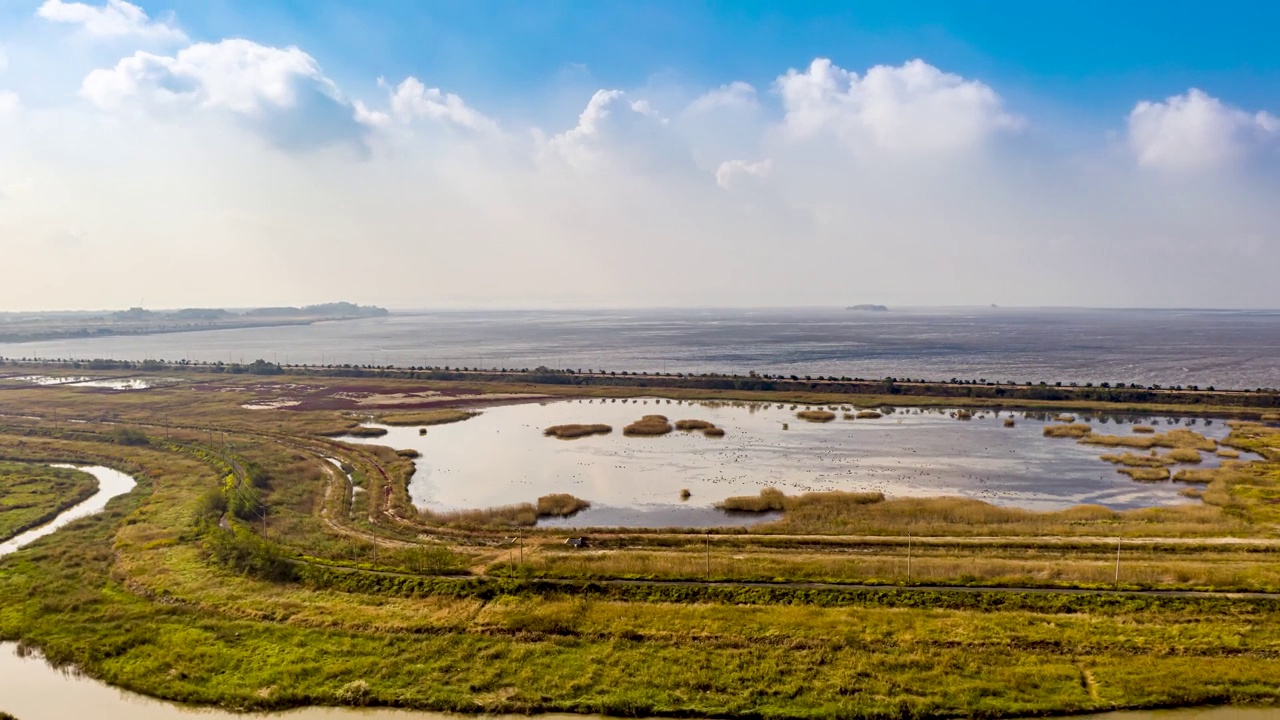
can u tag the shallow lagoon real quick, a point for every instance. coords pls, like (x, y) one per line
(501, 457)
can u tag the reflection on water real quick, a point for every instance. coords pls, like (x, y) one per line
(111, 483)
(126, 383)
(501, 457)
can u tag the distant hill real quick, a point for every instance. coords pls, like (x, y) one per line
(868, 308)
(25, 327)
(325, 310)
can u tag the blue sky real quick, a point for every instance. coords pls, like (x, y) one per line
(1095, 56)
(610, 153)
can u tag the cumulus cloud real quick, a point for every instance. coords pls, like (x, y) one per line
(9, 102)
(115, 19)
(912, 108)
(736, 95)
(733, 170)
(412, 100)
(281, 91)
(612, 124)
(591, 210)
(1196, 130)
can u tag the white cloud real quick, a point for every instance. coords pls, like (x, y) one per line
(282, 91)
(913, 108)
(411, 100)
(237, 75)
(612, 124)
(737, 95)
(1196, 130)
(115, 19)
(9, 102)
(731, 171)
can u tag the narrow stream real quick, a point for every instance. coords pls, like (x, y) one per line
(111, 484)
(31, 689)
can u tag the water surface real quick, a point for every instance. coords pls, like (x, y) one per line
(501, 457)
(1234, 349)
(111, 483)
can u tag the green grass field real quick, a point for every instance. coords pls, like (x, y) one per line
(322, 594)
(31, 495)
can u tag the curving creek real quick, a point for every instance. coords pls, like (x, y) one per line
(31, 689)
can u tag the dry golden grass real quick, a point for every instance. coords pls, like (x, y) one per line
(1146, 474)
(1271, 417)
(1196, 475)
(409, 453)
(1227, 453)
(769, 499)
(685, 494)
(714, 432)
(963, 414)
(848, 416)
(820, 416)
(522, 515)
(1065, 419)
(1143, 429)
(560, 505)
(649, 425)
(1134, 460)
(772, 499)
(694, 425)
(1178, 438)
(573, 430)
(1193, 493)
(868, 415)
(1184, 455)
(1078, 430)
(1010, 422)
(426, 417)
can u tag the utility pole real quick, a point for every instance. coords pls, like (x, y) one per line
(909, 539)
(708, 556)
(1118, 561)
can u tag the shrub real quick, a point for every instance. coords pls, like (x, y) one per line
(1184, 455)
(649, 425)
(1143, 429)
(772, 499)
(819, 416)
(694, 425)
(868, 415)
(1195, 475)
(129, 436)
(1133, 460)
(1009, 422)
(1078, 430)
(568, 432)
(714, 432)
(560, 505)
(1146, 474)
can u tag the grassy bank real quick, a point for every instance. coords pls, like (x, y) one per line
(333, 591)
(32, 495)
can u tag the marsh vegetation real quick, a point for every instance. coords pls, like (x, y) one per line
(33, 494)
(649, 425)
(356, 598)
(575, 430)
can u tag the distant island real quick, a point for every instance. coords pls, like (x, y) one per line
(33, 326)
(868, 308)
